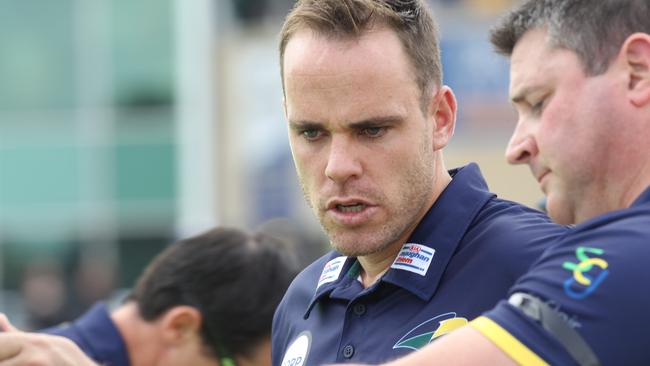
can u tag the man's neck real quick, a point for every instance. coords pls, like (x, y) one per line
(374, 266)
(138, 335)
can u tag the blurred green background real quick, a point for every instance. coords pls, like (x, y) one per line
(125, 125)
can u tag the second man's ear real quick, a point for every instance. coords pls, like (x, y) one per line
(636, 53)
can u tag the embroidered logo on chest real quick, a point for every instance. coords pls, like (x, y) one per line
(427, 331)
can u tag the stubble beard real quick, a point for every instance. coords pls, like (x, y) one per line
(414, 193)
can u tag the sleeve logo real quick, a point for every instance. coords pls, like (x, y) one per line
(587, 274)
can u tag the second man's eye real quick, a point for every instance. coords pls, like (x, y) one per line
(536, 108)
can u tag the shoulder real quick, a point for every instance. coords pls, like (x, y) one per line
(619, 237)
(510, 225)
(629, 223)
(303, 287)
(593, 277)
(96, 335)
(498, 211)
(295, 302)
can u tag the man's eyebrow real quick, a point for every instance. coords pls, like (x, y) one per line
(377, 121)
(366, 123)
(520, 96)
(304, 125)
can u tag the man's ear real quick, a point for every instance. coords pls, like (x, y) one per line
(636, 53)
(180, 324)
(442, 109)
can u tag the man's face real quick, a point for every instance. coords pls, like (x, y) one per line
(564, 131)
(362, 146)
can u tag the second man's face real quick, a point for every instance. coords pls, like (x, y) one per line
(566, 130)
(362, 146)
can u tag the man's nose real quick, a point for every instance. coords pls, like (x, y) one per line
(343, 161)
(522, 146)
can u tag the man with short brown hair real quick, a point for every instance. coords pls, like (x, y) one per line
(418, 249)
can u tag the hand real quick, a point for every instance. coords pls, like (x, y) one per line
(33, 349)
(5, 325)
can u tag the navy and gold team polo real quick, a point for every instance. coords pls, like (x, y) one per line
(462, 258)
(97, 336)
(596, 277)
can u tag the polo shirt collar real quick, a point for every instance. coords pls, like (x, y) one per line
(439, 233)
(342, 279)
(643, 199)
(100, 334)
(442, 230)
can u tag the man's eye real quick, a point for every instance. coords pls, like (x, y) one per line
(311, 134)
(537, 107)
(374, 131)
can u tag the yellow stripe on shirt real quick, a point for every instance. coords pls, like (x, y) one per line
(506, 342)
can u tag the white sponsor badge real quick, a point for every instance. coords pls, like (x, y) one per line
(414, 258)
(331, 271)
(298, 351)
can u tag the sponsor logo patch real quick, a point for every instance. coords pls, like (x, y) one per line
(331, 271)
(414, 258)
(298, 351)
(587, 274)
(429, 330)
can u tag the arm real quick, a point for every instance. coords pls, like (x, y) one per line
(20, 348)
(463, 347)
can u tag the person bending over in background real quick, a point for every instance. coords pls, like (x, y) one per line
(207, 300)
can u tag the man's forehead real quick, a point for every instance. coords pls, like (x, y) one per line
(528, 63)
(318, 48)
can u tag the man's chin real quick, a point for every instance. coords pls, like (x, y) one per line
(352, 249)
(349, 247)
(349, 250)
(558, 212)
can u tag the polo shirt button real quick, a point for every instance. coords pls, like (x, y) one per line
(348, 351)
(359, 309)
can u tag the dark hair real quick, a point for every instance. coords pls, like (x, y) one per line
(410, 19)
(235, 279)
(594, 30)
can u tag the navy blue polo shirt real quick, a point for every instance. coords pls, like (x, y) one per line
(97, 336)
(596, 277)
(462, 258)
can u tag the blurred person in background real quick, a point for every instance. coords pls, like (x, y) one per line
(206, 300)
(418, 250)
(305, 244)
(44, 291)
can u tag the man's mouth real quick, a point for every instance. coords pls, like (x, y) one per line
(356, 207)
(541, 176)
(350, 211)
